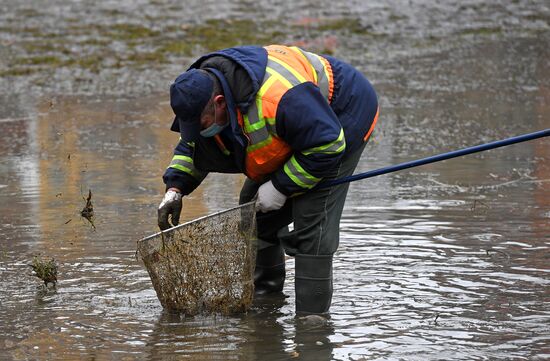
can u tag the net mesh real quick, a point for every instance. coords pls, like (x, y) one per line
(206, 265)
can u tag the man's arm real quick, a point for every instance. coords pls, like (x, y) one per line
(307, 123)
(181, 178)
(181, 174)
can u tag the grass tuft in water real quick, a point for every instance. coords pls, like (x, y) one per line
(44, 269)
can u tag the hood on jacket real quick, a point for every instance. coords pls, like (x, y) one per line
(243, 67)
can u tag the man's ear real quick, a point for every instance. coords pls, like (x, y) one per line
(219, 100)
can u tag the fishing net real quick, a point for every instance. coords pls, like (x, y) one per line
(206, 265)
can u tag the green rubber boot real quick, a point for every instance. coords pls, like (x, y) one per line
(313, 283)
(269, 275)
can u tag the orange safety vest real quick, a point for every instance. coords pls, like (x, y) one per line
(286, 68)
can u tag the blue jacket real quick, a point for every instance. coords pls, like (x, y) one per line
(304, 120)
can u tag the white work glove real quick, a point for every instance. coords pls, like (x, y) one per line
(170, 206)
(269, 198)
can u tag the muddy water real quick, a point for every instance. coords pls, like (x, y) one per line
(447, 261)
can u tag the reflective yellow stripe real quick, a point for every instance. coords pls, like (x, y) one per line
(185, 164)
(183, 157)
(289, 68)
(253, 127)
(297, 51)
(267, 84)
(334, 147)
(260, 111)
(255, 146)
(303, 171)
(299, 175)
(278, 77)
(182, 168)
(322, 70)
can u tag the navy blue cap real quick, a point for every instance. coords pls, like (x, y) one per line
(189, 94)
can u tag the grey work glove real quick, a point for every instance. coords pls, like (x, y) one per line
(170, 206)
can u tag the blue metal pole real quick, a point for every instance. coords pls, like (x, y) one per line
(437, 158)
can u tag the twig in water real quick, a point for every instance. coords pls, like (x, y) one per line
(88, 210)
(497, 251)
(476, 202)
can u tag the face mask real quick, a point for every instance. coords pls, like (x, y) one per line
(214, 128)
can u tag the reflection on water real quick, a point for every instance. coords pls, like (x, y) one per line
(446, 261)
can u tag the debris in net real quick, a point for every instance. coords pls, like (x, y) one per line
(205, 266)
(88, 210)
(46, 270)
